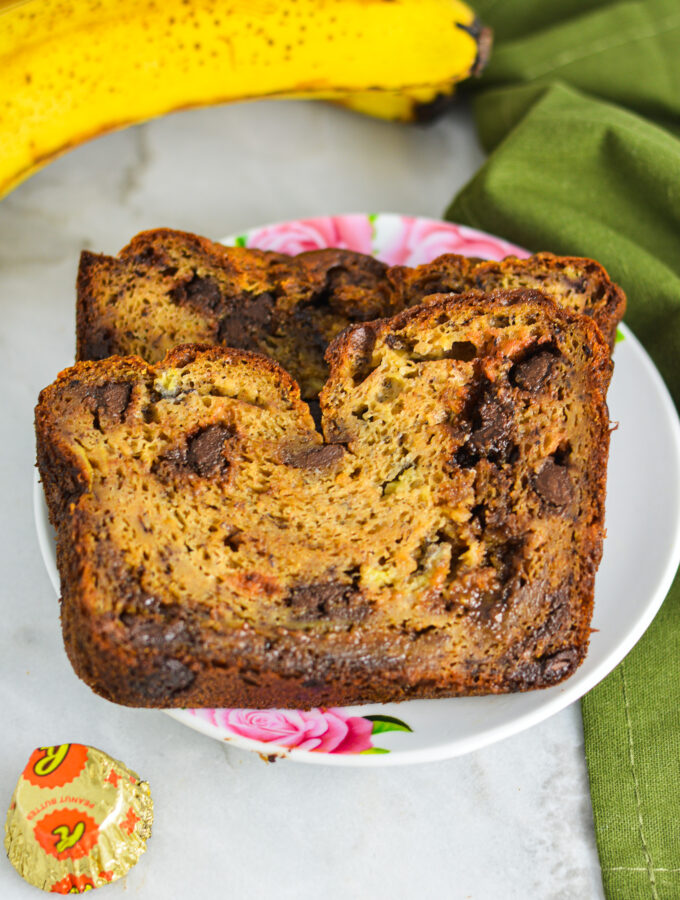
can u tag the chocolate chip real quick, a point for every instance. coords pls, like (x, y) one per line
(465, 457)
(327, 599)
(314, 457)
(206, 451)
(361, 340)
(360, 343)
(246, 322)
(553, 484)
(559, 665)
(200, 291)
(203, 291)
(532, 372)
(493, 427)
(113, 399)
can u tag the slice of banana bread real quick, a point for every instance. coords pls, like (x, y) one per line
(167, 287)
(581, 285)
(441, 539)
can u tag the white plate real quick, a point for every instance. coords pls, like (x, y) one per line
(641, 552)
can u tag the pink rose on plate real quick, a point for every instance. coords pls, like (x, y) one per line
(320, 730)
(347, 232)
(420, 241)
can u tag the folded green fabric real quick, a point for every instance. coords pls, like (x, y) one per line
(572, 172)
(623, 52)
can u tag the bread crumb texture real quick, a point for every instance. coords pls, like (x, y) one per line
(441, 536)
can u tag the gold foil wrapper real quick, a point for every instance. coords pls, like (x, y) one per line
(78, 819)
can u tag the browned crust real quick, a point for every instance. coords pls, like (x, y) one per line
(155, 239)
(86, 305)
(253, 679)
(178, 357)
(245, 669)
(293, 281)
(183, 354)
(461, 274)
(299, 673)
(611, 305)
(93, 340)
(62, 473)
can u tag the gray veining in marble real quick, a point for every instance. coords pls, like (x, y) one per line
(509, 822)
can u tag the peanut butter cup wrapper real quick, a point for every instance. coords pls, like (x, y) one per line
(78, 819)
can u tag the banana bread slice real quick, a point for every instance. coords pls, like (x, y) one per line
(168, 287)
(579, 284)
(441, 539)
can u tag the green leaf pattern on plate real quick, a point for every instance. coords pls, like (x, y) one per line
(387, 723)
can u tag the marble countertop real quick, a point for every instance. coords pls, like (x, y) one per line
(510, 821)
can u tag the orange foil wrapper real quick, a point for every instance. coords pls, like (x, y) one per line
(78, 819)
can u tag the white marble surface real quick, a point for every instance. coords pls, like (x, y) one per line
(510, 821)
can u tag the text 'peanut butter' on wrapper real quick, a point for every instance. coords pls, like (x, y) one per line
(78, 819)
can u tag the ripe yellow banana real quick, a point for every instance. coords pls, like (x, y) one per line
(74, 70)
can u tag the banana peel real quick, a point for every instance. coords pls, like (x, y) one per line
(74, 70)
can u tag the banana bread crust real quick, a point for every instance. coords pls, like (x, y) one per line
(446, 530)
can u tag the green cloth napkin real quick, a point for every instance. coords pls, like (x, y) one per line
(580, 110)
(626, 53)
